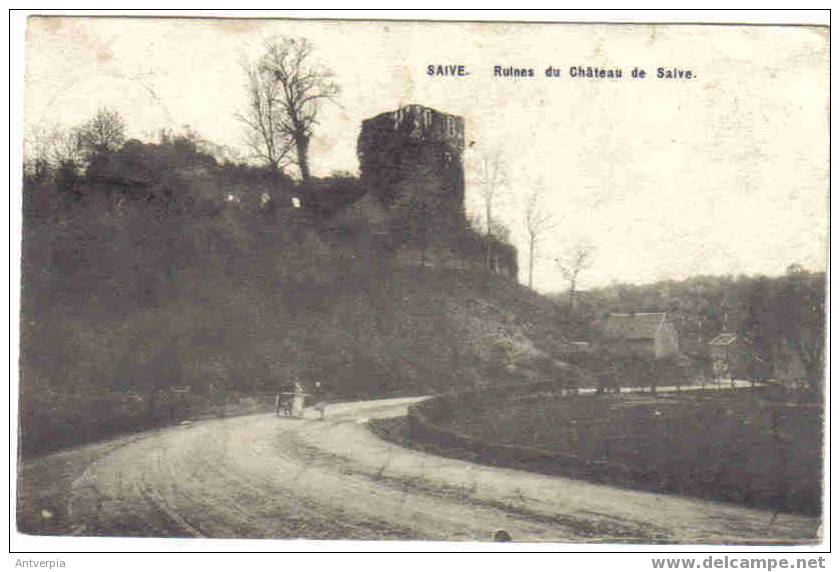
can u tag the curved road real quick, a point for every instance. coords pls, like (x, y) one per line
(263, 477)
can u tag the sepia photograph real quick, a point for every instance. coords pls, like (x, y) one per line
(422, 280)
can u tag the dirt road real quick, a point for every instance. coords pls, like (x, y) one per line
(263, 477)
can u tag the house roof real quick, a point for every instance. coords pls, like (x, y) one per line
(637, 326)
(723, 340)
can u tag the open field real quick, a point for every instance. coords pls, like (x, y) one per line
(736, 446)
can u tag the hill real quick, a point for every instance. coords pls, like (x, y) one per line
(189, 286)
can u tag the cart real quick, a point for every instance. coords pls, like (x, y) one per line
(290, 401)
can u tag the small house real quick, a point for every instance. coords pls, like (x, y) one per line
(730, 354)
(646, 334)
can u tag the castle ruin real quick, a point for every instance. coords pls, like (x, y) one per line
(411, 162)
(414, 150)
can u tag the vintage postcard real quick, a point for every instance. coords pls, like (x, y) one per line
(423, 280)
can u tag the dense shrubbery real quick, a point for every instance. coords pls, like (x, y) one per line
(634, 371)
(161, 268)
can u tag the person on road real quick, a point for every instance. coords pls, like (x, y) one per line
(320, 401)
(298, 400)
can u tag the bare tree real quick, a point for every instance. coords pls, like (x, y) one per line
(51, 148)
(537, 221)
(299, 88)
(489, 177)
(36, 151)
(104, 132)
(572, 263)
(67, 147)
(265, 135)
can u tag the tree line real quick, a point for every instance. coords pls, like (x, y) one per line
(64, 151)
(285, 88)
(781, 319)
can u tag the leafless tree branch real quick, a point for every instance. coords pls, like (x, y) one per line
(292, 89)
(572, 263)
(537, 222)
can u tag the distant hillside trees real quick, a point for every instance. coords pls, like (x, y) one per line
(781, 319)
(788, 315)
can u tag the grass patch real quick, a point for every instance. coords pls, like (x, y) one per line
(737, 446)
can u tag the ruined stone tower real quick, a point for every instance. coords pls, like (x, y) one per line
(411, 159)
(412, 170)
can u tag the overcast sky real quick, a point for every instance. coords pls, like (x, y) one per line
(724, 173)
